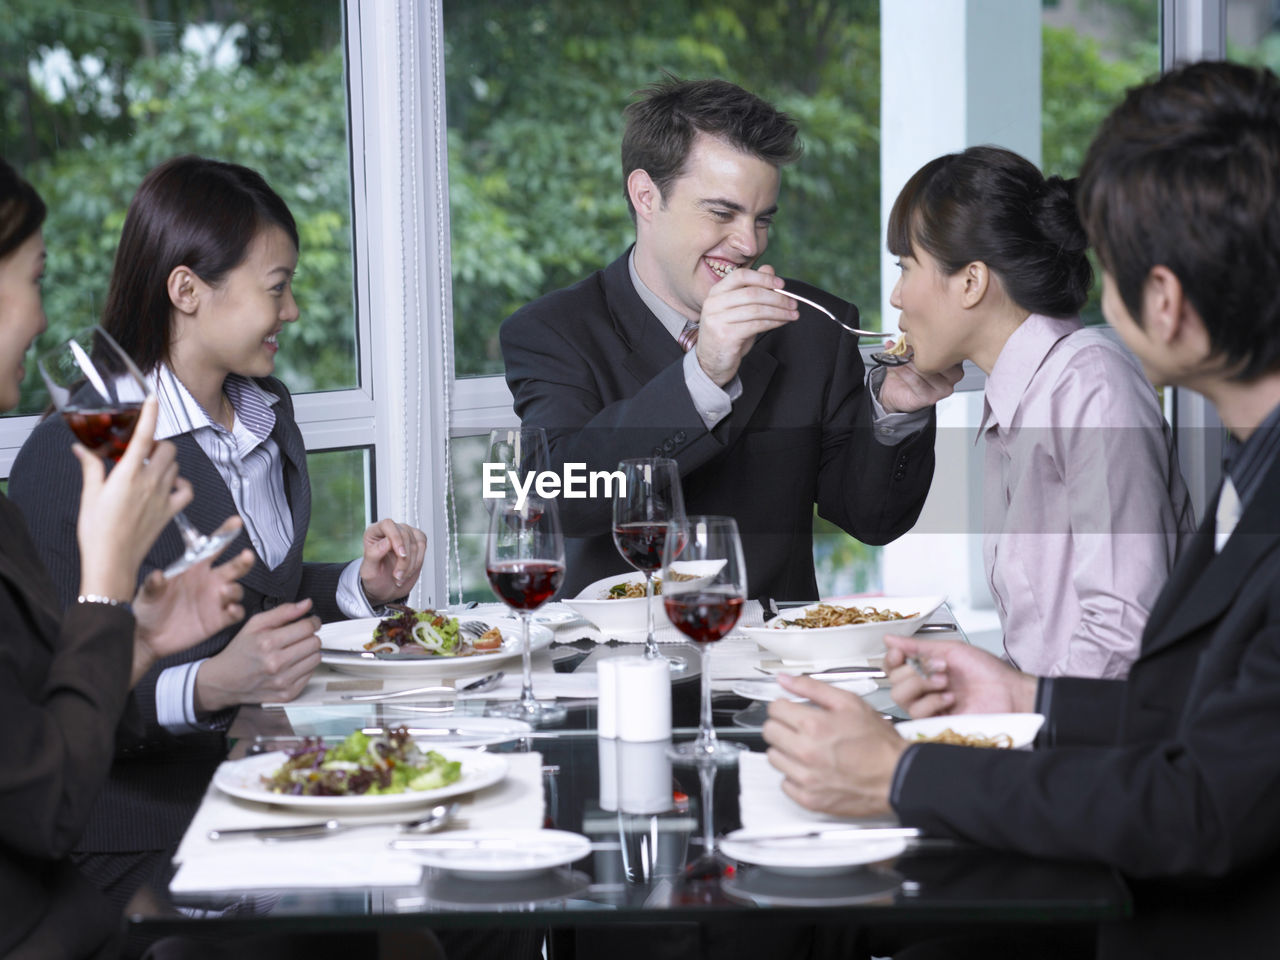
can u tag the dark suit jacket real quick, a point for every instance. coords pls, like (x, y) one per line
(63, 687)
(159, 778)
(593, 365)
(1172, 776)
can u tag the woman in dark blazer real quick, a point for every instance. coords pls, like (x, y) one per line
(200, 294)
(64, 677)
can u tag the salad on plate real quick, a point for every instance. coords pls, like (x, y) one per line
(362, 766)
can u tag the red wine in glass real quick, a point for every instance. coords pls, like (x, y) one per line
(525, 584)
(104, 430)
(703, 615)
(641, 544)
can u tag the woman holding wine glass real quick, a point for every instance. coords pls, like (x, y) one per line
(649, 502)
(65, 676)
(200, 295)
(704, 585)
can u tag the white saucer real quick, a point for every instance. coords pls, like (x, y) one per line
(507, 854)
(808, 856)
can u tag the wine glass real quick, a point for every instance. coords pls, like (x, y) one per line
(99, 391)
(518, 451)
(704, 585)
(649, 499)
(524, 561)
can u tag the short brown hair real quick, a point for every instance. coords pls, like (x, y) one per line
(1185, 173)
(662, 125)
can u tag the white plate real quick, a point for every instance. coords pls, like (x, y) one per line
(615, 617)
(772, 690)
(508, 854)
(849, 644)
(354, 634)
(771, 888)
(243, 779)
(811, 856)
(1021, 727)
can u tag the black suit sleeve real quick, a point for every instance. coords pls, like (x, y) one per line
(58, 741)
(1197, 801)
(551, 376)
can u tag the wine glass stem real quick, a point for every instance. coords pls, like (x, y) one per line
(650, 644)
(191, 537)
(527, 699)
(707, 780)
(706, 730)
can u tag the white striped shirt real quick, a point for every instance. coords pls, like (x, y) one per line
(250, 463)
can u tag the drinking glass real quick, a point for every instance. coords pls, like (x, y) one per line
(646, 507)
(519, 451)
(704, 585)
(99, 391)
(524, 561)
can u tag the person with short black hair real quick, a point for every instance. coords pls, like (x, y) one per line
(685, 348)
(1171, 776)
(1084, 505)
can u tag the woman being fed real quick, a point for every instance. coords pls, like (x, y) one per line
(201, 298)
(1084, 504)
(65, 676)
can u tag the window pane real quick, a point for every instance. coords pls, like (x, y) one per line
(1253, 32)
(340, 508)
(535, 92)
(468, 454)
(1093, 50)
(93, 98)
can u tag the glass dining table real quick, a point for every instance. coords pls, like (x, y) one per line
(645, 862)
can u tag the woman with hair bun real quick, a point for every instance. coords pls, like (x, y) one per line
(1084, 505)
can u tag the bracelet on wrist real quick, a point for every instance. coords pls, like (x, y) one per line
(105, 601)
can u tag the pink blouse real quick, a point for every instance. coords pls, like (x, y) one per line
(1084, 505)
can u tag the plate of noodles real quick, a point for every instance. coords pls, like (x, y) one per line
(1010, 731)
(849, 631)
(616, 605)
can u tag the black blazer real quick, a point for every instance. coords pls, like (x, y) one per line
(159, 778)
(1172, 776)
(63, 688)
(593, 365)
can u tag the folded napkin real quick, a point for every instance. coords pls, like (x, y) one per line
(356, 858)
(763, 805)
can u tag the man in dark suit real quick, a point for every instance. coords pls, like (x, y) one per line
(681, 348)
(1172, 776)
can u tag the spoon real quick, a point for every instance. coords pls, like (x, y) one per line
(475, 686)
(431, 821)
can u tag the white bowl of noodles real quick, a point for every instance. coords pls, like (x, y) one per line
(625, 616)
(796, 637)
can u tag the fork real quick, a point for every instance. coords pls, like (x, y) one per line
(474, 628)
(856, 331)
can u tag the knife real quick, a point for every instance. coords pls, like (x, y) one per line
(337, 654)
(833, 673)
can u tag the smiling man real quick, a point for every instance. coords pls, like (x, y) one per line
(687, 347)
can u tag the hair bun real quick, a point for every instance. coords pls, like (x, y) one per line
(1056, 215)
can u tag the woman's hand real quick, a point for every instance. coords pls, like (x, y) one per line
(175, 613)
(961, 679)
(122, 512)
(905, 389)
(269, 661)
(393, 555)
